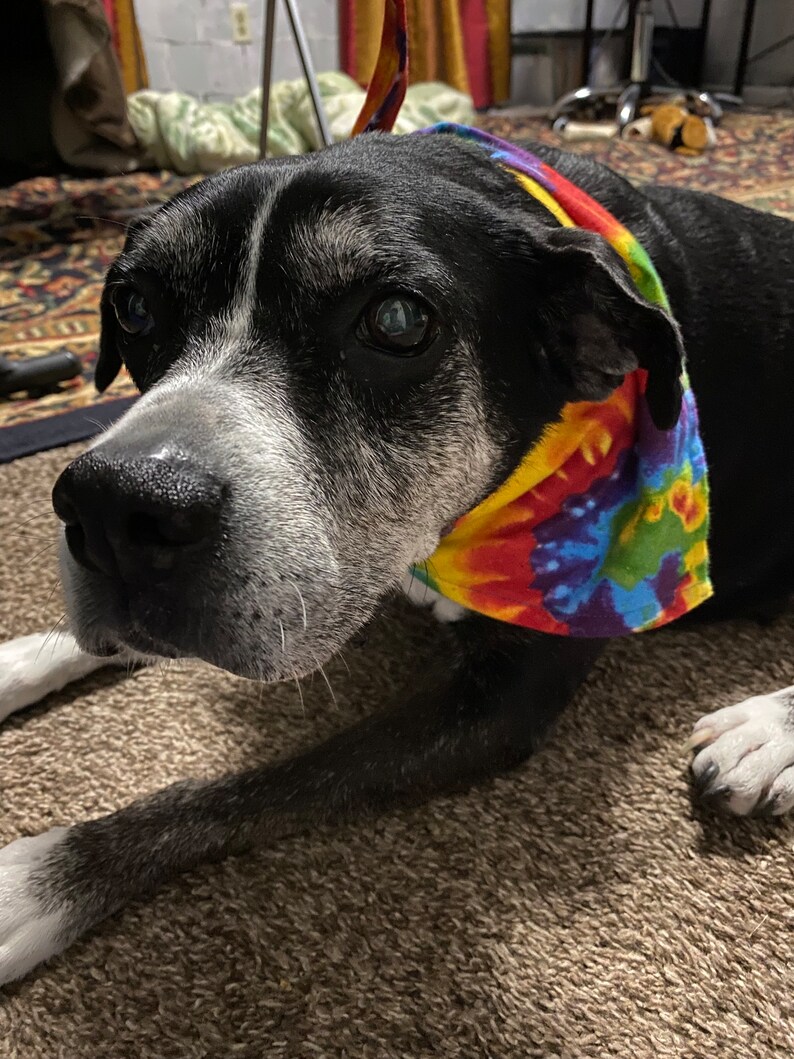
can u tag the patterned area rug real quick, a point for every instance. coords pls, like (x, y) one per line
(57, 238)
(753, 162)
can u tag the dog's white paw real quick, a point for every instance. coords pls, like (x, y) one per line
(34, 666)
(745, 754)
(29, 931)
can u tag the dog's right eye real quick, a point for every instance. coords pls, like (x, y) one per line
(396, 340)
(132, 312)
(398, 324)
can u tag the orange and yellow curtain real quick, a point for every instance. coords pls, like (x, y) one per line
(127, 43)
(465, 43)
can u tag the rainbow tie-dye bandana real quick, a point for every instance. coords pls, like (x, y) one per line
(602, 530)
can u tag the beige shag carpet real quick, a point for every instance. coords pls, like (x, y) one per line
(579, 907)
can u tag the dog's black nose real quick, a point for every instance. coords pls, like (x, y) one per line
(137, 517)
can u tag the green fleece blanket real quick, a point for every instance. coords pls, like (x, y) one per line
(185, 135)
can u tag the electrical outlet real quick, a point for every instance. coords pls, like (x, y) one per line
(241, 27)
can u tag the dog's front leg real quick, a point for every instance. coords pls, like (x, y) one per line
(32, 667)
(488, 715)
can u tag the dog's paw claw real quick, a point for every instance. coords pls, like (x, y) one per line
(744, 756)
(699, 738)
(766, 808)
(703, 780)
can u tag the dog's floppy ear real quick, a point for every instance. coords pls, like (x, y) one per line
(597, 327)
(108, 363)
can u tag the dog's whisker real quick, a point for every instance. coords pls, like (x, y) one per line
(163, 668)
(57, 632)
(40, 552)
(102, 428)
(102, 220)
(296, 678)
(283, 638)
(40, 514)
(48, 637)
(328, 683)
(318, 668)
(55, 586)
(414, 578)
(429, 564)
(302, 602)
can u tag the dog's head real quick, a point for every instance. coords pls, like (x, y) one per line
(338, 355)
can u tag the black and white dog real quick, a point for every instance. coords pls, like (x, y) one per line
(294, 452)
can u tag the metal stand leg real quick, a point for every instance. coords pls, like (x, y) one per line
(642, 40)
(744, 47)
(628, 104)
(267, 72)
(309, 73)
(587, 42)
(642, 43)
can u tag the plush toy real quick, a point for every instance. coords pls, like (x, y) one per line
(673, 126)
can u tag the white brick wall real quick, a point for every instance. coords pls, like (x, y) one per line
(188, 45)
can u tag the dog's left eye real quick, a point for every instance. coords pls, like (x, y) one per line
(397, 324)
(132, 312)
